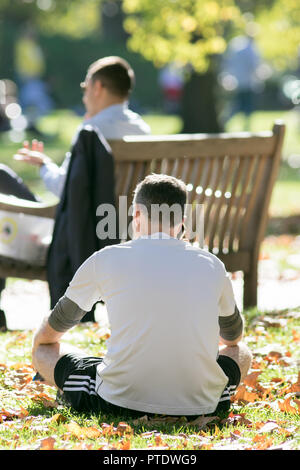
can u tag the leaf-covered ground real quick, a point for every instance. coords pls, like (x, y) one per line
(265, 411)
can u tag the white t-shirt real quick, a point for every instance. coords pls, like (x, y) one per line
(163, 298)
(114, 122)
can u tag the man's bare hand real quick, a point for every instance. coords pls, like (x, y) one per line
(34, 155)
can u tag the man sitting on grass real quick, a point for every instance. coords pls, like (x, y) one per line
(169, 305)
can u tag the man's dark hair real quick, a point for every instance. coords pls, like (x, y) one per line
(114, 73)
(162, 190)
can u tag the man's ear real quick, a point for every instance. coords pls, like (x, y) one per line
(97, 87)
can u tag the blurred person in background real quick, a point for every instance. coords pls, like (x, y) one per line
(171, 83)
(240, 74)
(30, 69)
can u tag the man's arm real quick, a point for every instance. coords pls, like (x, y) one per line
(231, 328)
(230, 319)
(64, 316)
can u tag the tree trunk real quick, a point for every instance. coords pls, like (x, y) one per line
(199, 110)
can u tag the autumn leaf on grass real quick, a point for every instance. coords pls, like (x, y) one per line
(83, 432)
(243, 396)
(165, 420)
(125, 445)
(124, 428)
(296, 336)
(58, 418)
(294, 388)
(251, 379)
(202, 421)
(262, 442)
(47, 443)
(10, 414)
(159, 442)
(287, 407)
(234, 419)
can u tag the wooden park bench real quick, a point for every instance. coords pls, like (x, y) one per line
(231, 174)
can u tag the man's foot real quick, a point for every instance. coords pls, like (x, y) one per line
(3, 324)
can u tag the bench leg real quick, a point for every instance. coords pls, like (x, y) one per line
(3, 324)
(250, 286)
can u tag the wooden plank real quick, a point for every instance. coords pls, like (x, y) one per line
(230, 202)
(219, 203)
(247, 232)
(240, 203)
(16, 205)
(172, 147)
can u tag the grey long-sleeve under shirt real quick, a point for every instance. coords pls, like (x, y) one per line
(65, 315)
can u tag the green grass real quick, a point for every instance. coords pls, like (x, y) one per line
(30, 415)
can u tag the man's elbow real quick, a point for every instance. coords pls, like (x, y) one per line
(232, 342)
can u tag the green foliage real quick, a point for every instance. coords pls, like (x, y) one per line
(279, 34)
(176, 30)
(76, 18)
(192, 32)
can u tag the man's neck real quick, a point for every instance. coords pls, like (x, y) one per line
(107, 103)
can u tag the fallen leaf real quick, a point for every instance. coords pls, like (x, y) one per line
(251, 379)
(125, 445)
(286, 406)
(262, 442)
(202, 421)
(58, 418)
(243, 396)
(47, 444)
(294, 388)
(83, 432)
(124, 428)
(141, 420)
(234, 419)
(296, 336)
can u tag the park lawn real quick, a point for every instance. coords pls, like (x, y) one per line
(265, 411)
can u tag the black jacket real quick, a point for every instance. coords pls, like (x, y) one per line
(89, 183)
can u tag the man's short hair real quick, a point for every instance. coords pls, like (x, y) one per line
(165, 191)
(114, 73)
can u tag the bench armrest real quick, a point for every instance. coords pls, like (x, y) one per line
(14, 204)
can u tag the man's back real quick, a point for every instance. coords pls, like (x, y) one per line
(163, 298)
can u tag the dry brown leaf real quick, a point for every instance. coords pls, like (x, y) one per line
(262, 442)
(83, 432)
(296, 335)
(47, 443)
(234, 419)
(108, 429)
(124, 428)
(251, 379)
(294, 388)
(58, 418)
(286, 406)
(125, 445)
(202, 421)
(142, 420)
(242, 395)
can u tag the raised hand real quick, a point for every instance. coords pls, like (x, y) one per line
(34, 155)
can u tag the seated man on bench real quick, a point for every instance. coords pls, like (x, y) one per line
(107, 87)
(169, 305)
